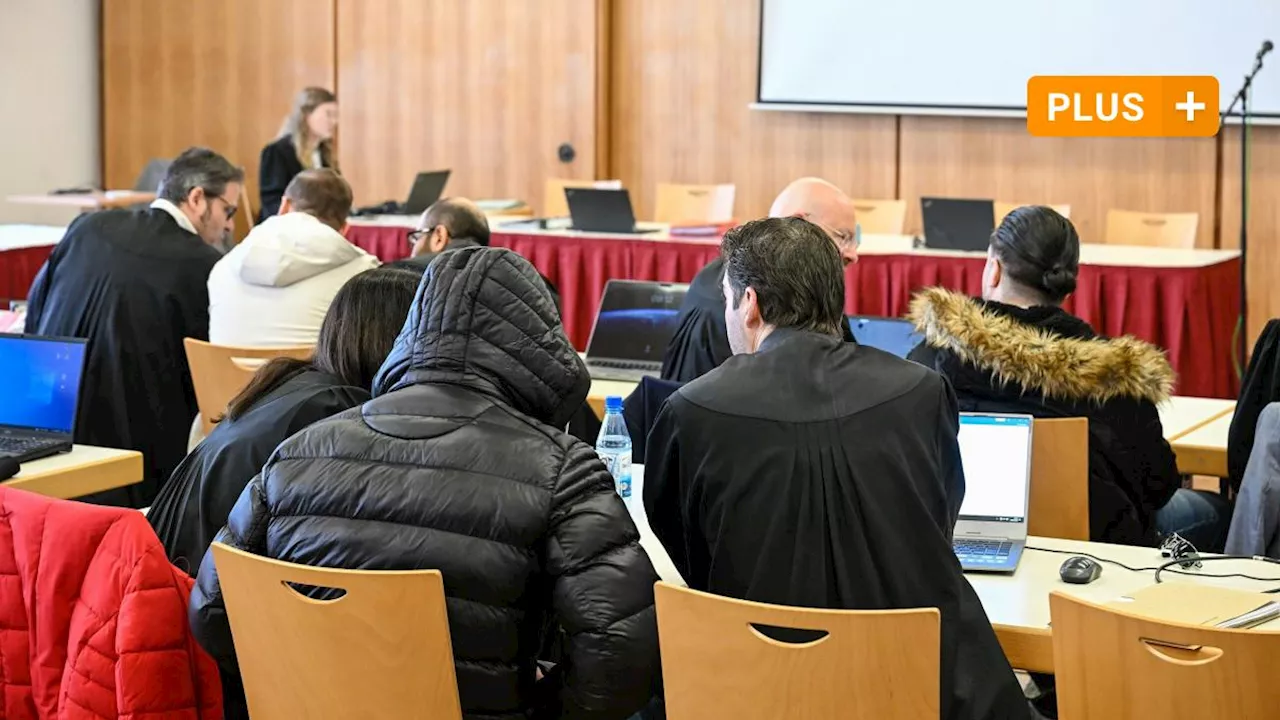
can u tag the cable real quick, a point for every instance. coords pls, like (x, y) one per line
(1092, 557)
(1165, 567)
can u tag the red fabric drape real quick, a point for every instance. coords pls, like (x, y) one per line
(18, 269)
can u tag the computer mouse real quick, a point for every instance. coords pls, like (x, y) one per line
(1080, 570)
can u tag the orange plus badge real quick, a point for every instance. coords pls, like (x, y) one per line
(1122, 106)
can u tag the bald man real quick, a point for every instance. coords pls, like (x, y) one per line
(701, 343)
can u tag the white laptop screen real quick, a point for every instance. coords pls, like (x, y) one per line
(996, 453)
(636, 320)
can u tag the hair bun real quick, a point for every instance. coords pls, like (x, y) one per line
(1059, 281)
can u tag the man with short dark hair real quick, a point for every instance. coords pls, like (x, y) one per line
(133, 283)
(274, 288)
(813, 472)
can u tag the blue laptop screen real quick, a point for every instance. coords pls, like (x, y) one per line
(995, 451)
(897, 337)
(39, 382)
(636, 320)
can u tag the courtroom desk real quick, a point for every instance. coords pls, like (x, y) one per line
(87, 202)
(1203, 451)
(1180, 415)
(85, 470)
(386, 237)
(23, 251)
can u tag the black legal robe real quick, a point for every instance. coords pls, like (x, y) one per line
(134, 283)
(277, 164)
(820, 473)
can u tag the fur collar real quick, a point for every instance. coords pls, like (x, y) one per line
(1039, 360)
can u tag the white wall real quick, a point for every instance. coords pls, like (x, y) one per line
(49, 102)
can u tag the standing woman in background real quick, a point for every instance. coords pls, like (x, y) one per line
(305, 143)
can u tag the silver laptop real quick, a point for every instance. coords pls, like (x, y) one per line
(996, 453)
(634, 323)
(40, 384)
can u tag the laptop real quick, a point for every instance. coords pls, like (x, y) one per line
(602, 210)
(951, 224)
(996, 453)
(635, 322)
(892, 335)
(40, 383)
(427, 189)
(152, 174)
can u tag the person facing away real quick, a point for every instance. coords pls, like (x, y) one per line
(305, 142)
(284, 396)
(700, 343)
(459, 464)
(1017, 351)
(810, 471)
(274, 288)
(133, 282)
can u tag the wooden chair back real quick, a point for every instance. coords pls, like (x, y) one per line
(1172, 230)
(1111, 665)
(554, 204)
(881, 217)
(381, 650)
(220, 372)
(1059, 502)
(687, 204)
(1004, 208)
(716, 662)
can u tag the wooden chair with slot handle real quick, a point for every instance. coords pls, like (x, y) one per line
(881, 217)
(1171, 230)
(220, 372)
(687, 204)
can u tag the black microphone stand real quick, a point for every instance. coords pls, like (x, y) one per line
(1242, 97)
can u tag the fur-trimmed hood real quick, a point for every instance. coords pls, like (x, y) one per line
(1039, 359)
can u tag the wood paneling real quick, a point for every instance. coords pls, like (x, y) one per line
(220, 74)
(684, 74)
(1264, 217)
(996, 158)
(487, 88)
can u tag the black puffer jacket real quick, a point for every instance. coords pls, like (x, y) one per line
(457, 464)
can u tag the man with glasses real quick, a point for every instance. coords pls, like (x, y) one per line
(133, 282)
(700, 343)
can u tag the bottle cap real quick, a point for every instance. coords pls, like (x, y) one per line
(613, 403)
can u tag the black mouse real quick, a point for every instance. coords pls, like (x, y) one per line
(1080, 570)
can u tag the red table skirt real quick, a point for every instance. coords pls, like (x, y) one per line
(1191, 312)
(18, 270)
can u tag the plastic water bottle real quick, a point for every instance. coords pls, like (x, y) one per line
(614, 446)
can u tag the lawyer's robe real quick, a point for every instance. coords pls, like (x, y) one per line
(821, 473)
(134, 283)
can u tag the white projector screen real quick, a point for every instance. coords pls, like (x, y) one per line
(955, 57)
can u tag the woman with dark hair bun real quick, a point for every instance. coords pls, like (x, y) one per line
(1017, 351)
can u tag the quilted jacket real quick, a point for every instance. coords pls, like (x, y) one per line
(458, 464)
(93, 617)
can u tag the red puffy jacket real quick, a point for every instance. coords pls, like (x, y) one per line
(93, 618)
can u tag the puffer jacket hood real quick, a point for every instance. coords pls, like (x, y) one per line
(290, 248)
(483, 319)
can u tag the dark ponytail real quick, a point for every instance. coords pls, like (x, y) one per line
(1039, 249)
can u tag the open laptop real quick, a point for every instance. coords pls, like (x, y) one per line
(40, 384)
(951, 224)
(427, 189)
(601, 210)
(635, 322)
(892, 335)
(996, 453)
(152, 174)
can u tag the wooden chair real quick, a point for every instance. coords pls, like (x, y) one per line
(1004, 208)
(881, 217)
(1059, 503)
(554, 204)
(219, 372)
(381, 650)
(1173, 230)
(716, 662)
(694, 203)
(1111, 665)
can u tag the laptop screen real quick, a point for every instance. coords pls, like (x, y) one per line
(891, 335)
(636, 320)
(996, 453)
(40, 382)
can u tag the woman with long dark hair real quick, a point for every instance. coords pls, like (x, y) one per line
(305, 143)
(283, 397)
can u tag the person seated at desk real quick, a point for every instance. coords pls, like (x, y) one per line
(285, 396)
(459, 464)
(1017, 351)
(134, 283)
(274, 288)
(700, 344)
(812, 472)
(305, 143)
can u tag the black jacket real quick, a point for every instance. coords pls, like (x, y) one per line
(419, 264)
(457, 464)
(135, 284)
(194, 504)
(1259, 388)
(818, 473)
(276, 167)
(1045, 362)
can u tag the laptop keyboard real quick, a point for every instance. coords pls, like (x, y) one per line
(982, 552)
(17, 446)
(622, 364)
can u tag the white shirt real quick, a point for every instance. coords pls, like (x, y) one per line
(180, 217)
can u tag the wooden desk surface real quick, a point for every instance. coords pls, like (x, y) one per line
(1203, 451)
(87, 201)
(1182, 415)
(86, 469)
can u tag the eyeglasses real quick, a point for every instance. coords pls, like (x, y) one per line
(842, 237)
(228, 207)
(417, 235)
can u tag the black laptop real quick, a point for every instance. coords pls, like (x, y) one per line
(427, 189)
(952, 224)
(40, 384)
(892, 335)
(603, 211)
(634, 324)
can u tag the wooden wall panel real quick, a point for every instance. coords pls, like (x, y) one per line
(220, 74)
(487, 88)
(1264, 217)
(996, 158)
(684, 74)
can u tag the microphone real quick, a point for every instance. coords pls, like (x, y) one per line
(8, 467)
(1267, 46)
